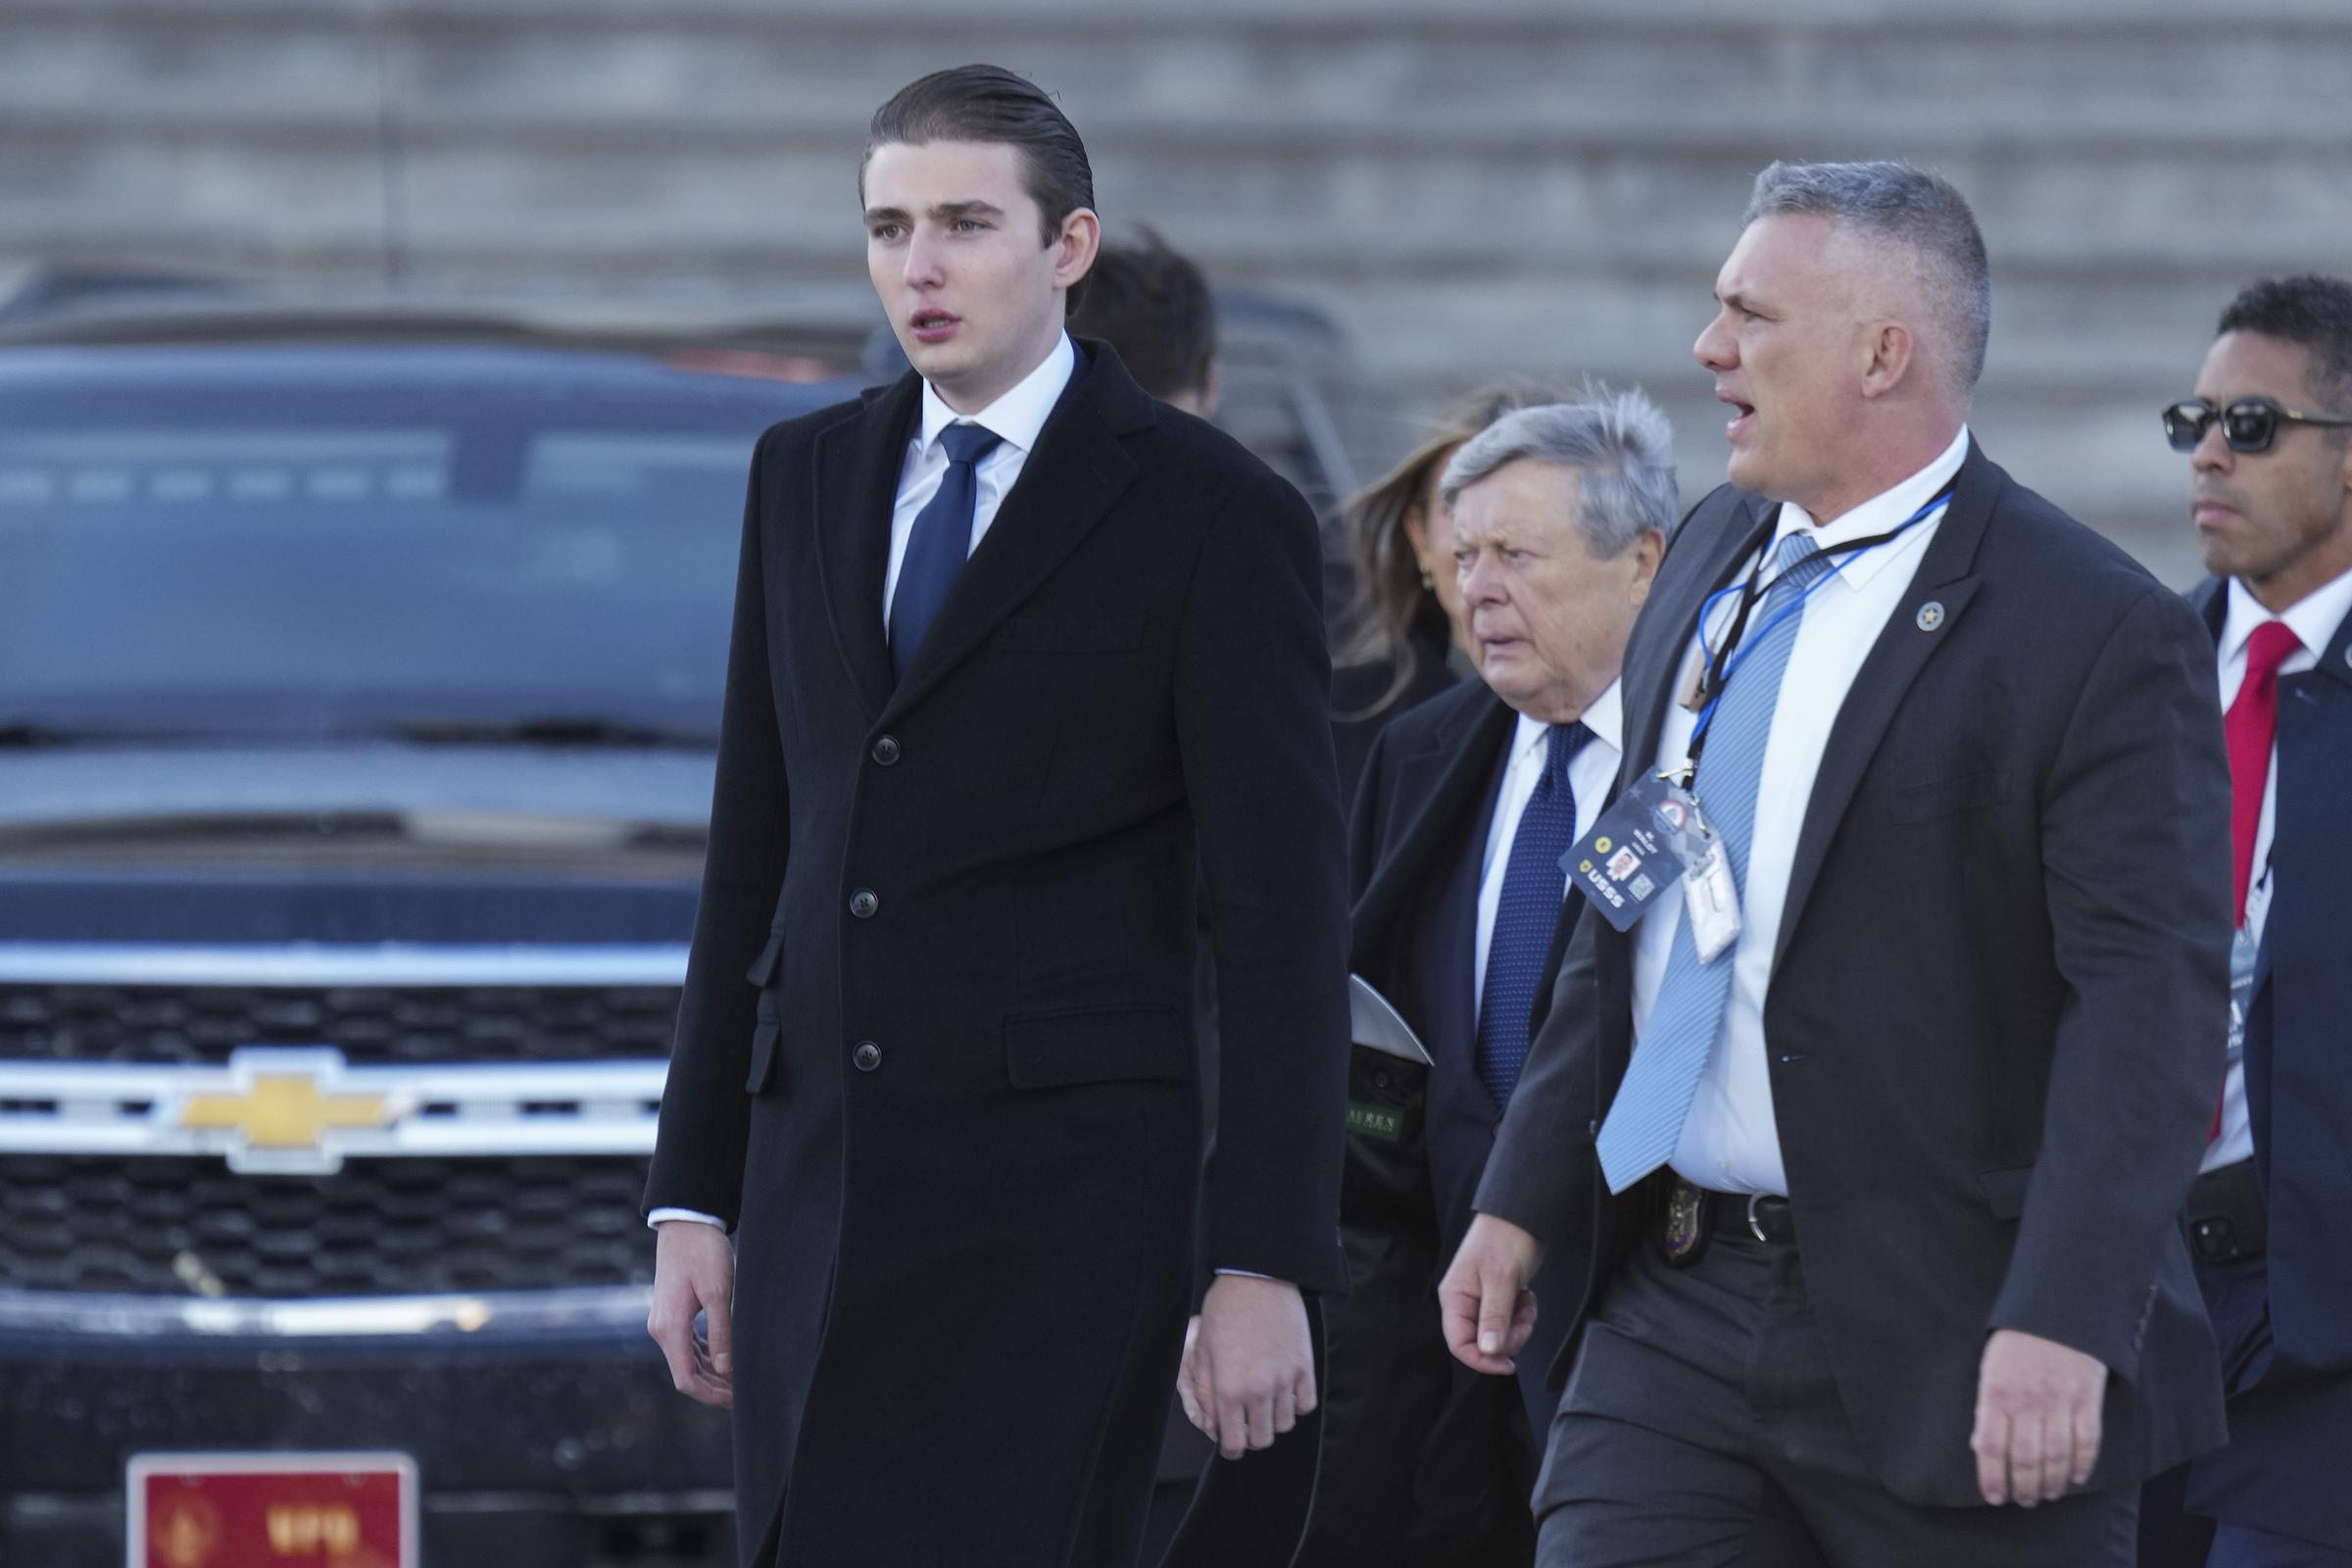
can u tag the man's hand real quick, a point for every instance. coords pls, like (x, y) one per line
(2038, 1418)
(694, 1271)
(1248, 1371)
(1488, 1310)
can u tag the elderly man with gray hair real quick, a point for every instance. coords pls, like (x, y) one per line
(1559, 516)
(1863, 1143)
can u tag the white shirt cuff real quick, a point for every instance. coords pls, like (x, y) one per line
(694, 1214)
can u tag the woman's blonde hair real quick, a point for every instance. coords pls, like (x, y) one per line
(1391, 597)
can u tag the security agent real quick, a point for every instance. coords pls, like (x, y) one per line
(1870, 1142)
(2269, 436)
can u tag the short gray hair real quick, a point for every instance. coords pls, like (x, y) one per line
(1894, 204)
(1618, 442)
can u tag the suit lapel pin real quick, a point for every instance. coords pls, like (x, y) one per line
(1931, 615)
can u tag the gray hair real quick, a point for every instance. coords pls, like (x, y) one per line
(1895, 205)
(1618, 442)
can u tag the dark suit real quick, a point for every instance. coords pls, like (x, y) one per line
(1997, 1003)
(2284, 1317)
(1423, 1457)
(1361, 705)
(966, 1167)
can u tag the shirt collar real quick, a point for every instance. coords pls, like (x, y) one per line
(2313, 618)
(1605, 717)
(1020, 413)
(1881, 512)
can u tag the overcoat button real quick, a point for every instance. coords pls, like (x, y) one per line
(867, 1055)
(886, 750)
(863, 903)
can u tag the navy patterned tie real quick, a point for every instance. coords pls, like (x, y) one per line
(1527, 914)
(938, 544)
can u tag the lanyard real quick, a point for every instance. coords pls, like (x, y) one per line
(1721, 665)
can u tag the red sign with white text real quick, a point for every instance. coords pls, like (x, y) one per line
(272, 1510)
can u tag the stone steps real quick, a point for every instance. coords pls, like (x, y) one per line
(1469, 189)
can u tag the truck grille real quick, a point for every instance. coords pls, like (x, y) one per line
(188, 1025)
(189, 1227)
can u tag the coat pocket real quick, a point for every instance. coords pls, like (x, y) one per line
(1095, 1046)
(763, 967)
(1072, 634)
(764, 1056)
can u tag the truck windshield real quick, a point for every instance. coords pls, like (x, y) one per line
(461, 539)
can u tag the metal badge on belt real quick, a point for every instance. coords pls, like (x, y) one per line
(1685, 1233)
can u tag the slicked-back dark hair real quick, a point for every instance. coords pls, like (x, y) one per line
(2312, 310)
(988, 103)
(1154, 306)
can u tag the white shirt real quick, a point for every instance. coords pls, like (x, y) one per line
(2314, 620)
(1017, 417)
(1590, 773)
(1730, 1141)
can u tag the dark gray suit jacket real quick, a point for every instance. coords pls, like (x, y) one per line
(1996, 1012)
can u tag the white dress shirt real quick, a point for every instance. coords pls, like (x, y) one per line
(1589, 774)
(1730, 1141)
(2314, 620)
(1017, 417)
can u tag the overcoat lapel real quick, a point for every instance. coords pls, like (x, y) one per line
(1939, 594)
(1446, 775)
(1080, 467)
(854, 486)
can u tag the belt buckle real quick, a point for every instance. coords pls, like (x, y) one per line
(1755, 1226)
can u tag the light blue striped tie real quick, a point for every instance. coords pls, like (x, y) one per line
(1645, 1121)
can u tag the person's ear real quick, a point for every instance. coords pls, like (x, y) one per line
(1075, 247)
(1886, 352)
(1649, 551)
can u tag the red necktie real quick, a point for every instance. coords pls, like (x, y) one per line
(2250, 727)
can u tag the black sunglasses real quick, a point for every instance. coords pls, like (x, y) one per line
(2248, 425)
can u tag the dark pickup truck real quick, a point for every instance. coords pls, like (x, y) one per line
(358, 689)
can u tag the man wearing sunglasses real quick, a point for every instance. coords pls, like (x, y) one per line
(2269, 436)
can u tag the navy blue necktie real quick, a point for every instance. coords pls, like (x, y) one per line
(938, 544)
(1527, 914)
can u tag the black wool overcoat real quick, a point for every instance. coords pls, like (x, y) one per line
(934, 1059)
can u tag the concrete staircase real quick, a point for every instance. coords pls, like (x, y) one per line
(1489, 186)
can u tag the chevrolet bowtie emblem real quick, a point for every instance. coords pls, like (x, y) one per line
(283, 1108)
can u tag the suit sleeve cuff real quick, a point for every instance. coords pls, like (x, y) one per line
(695, 1215)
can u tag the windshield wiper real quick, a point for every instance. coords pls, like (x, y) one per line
(550, 729)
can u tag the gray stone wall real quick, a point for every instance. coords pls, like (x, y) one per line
(1469, 188)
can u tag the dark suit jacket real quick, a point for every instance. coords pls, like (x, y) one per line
(2291, 1416)
(1998, 1007)
(1424, 1462)
(1417, 834)
(964, 1254)
(1359, 712)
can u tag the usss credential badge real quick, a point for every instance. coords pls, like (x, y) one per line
(1684, 1235)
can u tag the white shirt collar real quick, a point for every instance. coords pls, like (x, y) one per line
(1020, 413)
(1878, 513)
(2313, 618)
(1605, 717)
